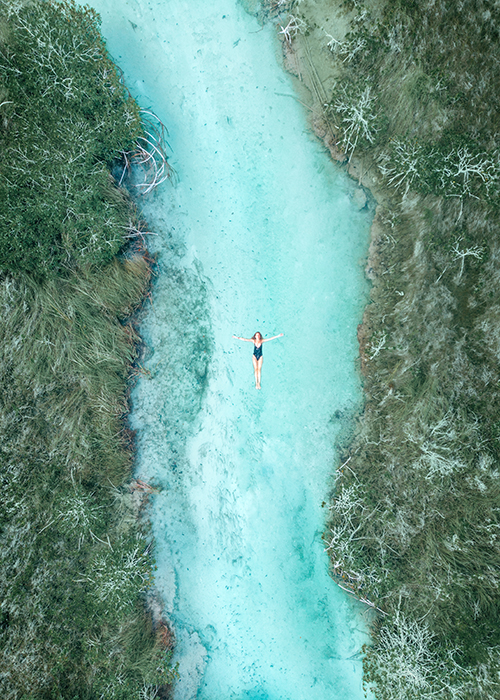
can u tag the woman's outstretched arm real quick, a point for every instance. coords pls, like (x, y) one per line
(248, 340)
(264, 340)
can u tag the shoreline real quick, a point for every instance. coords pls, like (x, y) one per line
(421, 478)
(297, 61)
(74, 615)
(138, 490)
(299, 65)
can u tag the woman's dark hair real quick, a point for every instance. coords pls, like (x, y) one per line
(255, 335)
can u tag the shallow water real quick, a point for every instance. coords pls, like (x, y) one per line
(261, 232)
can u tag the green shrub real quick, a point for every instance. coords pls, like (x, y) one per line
(65, 117)
(75, 560)
(415, 513)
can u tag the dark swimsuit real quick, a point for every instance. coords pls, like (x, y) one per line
(257, 351)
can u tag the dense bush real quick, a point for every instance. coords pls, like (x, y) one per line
(64, 117)
(75, 558)
(414, 527)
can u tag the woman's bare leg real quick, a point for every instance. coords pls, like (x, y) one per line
(259, 371)
(256, 372)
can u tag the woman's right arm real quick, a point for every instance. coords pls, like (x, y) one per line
(248, 340)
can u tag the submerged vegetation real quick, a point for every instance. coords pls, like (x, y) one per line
(76, 561)
(406, 94)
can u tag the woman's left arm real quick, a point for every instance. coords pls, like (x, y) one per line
(264, 340)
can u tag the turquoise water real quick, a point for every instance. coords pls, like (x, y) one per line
(261, 232)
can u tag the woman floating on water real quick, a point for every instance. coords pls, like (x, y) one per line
(257, 358)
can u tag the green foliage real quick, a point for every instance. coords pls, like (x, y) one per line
(73, 559)
(406, 662)
(415, 517)
(65, 116)
(427, 63)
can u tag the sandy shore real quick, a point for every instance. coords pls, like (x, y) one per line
(309, 60)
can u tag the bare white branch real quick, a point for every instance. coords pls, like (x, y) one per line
(294, 26)
(358, 118)
(475, 252)
(403, 166)
(150, 155)
(378, 346)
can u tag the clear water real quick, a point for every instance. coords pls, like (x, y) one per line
(261, 232)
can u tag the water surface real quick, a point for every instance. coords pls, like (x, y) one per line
(261, 232)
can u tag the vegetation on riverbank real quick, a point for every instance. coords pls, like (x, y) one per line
(406, 95)
(76, 561)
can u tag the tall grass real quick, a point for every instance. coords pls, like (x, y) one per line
(414, 527)
(76, 562)
(65, 116)
(73, 567)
